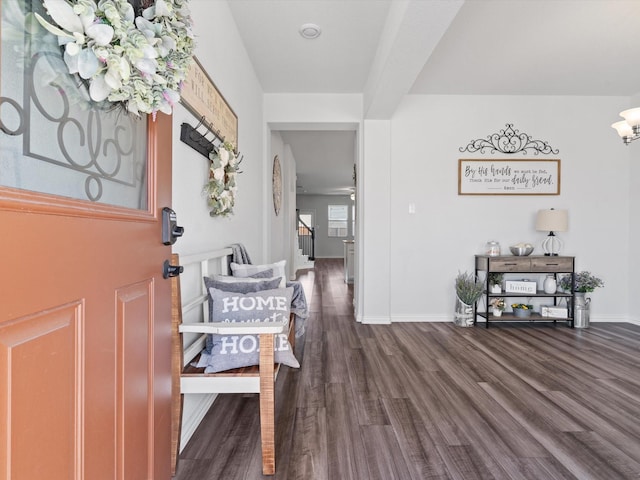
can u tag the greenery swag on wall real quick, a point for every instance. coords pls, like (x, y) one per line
(221, 188)
(134, 60)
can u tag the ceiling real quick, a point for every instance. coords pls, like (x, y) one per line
(385, 49)
(324, 161)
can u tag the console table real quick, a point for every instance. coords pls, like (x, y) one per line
(511, 266)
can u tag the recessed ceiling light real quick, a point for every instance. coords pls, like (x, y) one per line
(310, 31)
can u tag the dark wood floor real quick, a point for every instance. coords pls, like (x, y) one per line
(432, 401)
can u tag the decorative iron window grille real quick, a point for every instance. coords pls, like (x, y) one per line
(58, 126)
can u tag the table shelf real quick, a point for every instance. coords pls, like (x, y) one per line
(532, 265)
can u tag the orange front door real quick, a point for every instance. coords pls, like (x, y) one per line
(85, 332)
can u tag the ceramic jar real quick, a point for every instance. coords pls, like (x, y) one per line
(550, 284)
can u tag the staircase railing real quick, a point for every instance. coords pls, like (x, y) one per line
(306, 239)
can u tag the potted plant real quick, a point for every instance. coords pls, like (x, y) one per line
(497, 306)
(495, 282)
(522, 309)
(468, 290)
(585, 282)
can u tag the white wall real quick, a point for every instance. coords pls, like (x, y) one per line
(374, 200)
(633, 159)
(282, 226)
(326, 246)
(300, 111)
(428, 248)
(289, 206)
(217, 49)
(222, 54)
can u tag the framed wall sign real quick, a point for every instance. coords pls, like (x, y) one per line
(201, 97)
(508, 177)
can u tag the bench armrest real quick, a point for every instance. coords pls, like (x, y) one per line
(253, 328)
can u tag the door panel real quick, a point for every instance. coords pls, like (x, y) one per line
(108, 260)
(40, 364)
(135, 380)
(85, 374)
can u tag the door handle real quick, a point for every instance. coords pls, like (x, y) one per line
(169, 270)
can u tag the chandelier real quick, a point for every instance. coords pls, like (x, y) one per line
(629, 128)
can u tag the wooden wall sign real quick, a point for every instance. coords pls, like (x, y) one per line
(508, 177)
(201, 97)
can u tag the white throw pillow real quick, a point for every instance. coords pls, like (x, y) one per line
(244, 271)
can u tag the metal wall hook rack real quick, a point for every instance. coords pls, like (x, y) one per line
(199, 141)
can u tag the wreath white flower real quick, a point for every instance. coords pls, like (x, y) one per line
(135, 62)
(221, 188)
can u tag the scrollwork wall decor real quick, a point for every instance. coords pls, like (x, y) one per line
(509, 141)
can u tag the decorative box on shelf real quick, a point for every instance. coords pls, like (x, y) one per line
(520, 286)
(553, 311)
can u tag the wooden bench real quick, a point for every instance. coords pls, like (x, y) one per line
(188, 340)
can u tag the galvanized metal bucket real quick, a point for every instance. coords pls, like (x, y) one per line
(581, 316)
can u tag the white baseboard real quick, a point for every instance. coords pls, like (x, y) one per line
(371, 320)
(421, 318)
(612, 318)
(449, 318)
(194, 409)
(304, 266)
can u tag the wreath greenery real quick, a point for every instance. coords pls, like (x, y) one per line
(137, 62)
(221, 188)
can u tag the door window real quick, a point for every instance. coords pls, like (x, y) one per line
(54, 140)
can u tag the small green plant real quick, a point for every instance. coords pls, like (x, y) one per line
(468, 288)
(495, 278)
(585, 282)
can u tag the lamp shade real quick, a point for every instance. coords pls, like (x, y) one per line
(623, 129)
(632, 116)
(552, 220)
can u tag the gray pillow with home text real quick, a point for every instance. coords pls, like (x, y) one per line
(235, 351)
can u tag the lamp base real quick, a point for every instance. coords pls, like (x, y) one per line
(552, 245)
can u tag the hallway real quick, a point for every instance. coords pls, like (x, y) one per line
(432, 401)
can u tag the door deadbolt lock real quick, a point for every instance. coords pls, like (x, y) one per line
(170, 229)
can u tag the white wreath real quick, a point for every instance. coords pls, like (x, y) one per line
(139, 62)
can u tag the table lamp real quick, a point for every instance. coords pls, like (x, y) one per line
(552, 220)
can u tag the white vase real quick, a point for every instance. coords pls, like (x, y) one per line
(497, 312)
(550, 285)
(496, 289)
